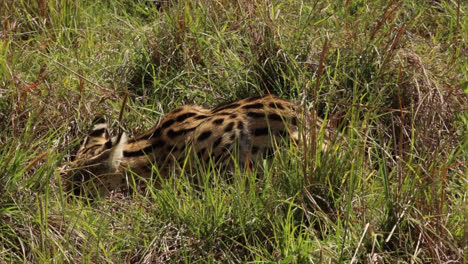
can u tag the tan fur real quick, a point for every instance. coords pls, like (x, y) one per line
(249, 128)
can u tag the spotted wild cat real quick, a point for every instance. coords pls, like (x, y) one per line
(250, 127)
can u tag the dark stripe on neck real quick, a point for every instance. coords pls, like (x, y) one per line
(182, 117)
(173, 133)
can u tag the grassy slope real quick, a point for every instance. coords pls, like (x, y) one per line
(390, 75)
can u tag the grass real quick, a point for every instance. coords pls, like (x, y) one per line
(391, 76)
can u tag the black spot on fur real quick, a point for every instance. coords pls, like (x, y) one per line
(254, 150)
(260, 131)
(217, 142)
(204, 135)
(294, 121)
(232, 137)
(229, 127)
(182, 117)
(233, 116)
(240, 125)
(200, 117)
(168, 123)
(253, 106)
(173, 134)
(275, 117)
(156, 133)
(255, 114)
(108, 144)
(276, 106)
(158, 144)
(218, 121)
